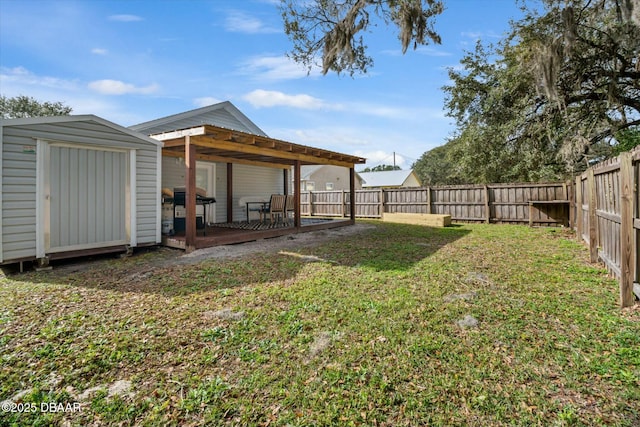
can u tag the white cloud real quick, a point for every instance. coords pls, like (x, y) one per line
(423, 50)
(99, 51)
(273, 68)
(260, 98)
(381, 111)
(20, 77)
(476, 35)
(116, 87)
(362, 141)
(125, 18)
(240, 22)
(206, 101)
(343, 139)
(432, 51)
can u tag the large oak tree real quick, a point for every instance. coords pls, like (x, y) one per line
(560, 91)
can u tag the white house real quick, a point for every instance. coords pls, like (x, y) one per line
(326, 178)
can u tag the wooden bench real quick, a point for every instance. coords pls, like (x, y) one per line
(429, 220)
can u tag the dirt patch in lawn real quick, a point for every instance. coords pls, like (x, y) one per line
(162, 257)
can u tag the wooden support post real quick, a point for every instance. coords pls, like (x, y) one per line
(579, 213)
(428, 189)
(382, 204)
(297, 221)
(593, 219)
(229, 192)
(190, 195)
(285, 178)
(627, 250)
(352, 193)
(531, 210)
(487, 205)
(343, 201)
(571, 197)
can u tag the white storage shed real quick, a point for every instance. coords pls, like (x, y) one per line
(74, 186)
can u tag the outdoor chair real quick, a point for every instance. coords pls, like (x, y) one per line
(290, 207)
(275, 208)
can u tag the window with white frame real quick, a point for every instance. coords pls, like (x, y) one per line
(328, 186)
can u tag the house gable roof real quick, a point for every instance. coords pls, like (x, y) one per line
(386, 178)
(223, 114)
(307, 171)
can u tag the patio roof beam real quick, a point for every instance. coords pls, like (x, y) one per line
(269, 149)
(208, 142)
(180, 134)
(269, 163)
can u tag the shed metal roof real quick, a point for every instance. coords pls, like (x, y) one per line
(78, 118)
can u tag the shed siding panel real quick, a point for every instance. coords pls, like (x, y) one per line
(146, 194)
(18, 196)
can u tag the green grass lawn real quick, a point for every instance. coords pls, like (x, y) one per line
(367, 334)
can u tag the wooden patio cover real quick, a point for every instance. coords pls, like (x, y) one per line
(217, 144)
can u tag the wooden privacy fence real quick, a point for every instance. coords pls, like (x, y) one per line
(539, 204)
(607, 217)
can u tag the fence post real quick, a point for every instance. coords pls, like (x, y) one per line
(627, 251)
(381, 198)
(344, 201)
(428, 199)
(593, 219)
(487, 206)
(579, 212)
(571, 199)
(310, 203)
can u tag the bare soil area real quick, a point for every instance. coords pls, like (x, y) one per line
(166, 257)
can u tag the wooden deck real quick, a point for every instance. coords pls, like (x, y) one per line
(226, 234)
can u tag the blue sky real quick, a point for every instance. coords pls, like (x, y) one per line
(138, 60)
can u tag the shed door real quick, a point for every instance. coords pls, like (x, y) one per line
(87, 198)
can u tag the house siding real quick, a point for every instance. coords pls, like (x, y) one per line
(254, 181)
(19, 176)
(411, 181)
(173, 175)
(247, 181)
(337, 175)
